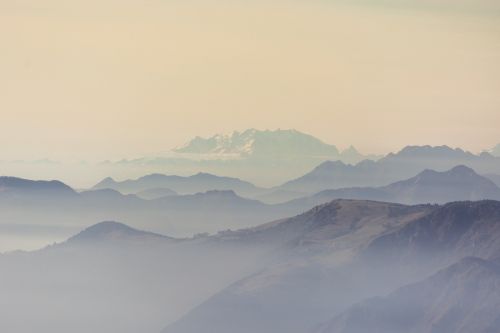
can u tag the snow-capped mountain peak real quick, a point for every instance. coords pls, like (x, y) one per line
(254, 142)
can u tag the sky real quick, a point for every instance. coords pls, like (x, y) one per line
(108, 79)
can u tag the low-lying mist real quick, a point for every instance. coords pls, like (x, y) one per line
(305, 274)
(116, 280)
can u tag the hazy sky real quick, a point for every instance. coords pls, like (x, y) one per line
(89, 79)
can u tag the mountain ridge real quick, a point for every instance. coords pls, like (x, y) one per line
(13, 184)
(391, 168)
(429, 186)
(199, 182)
(111, 230)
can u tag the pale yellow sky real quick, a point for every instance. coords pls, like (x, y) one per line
(110, 79)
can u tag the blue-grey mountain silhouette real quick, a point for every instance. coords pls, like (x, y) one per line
(12, 186)
(393, 167)
(200, 182)
(457, 184)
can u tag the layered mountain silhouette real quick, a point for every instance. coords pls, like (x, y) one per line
(457, 184)
(393, 167)
(12, 186)
(342, 253)
(200, 182)
(348, 243)
(159, 209)
(266, 157)
(52, 203)
(341, 266)
(25, 202)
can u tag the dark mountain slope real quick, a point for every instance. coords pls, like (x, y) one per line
(462, 298)
(341, 253)
(13, 187)
(297, 289)
(455, 230)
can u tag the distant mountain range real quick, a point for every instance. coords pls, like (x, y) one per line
(200, 182)
(27, 202)
(458, 183)
(391, 168)
(350, 181)
(179, 215)
(254, 143)
(429, 186)
(268, 158)
(262, 156)
(214, 204)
